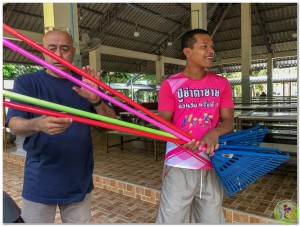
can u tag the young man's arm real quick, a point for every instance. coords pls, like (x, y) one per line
(167, 115)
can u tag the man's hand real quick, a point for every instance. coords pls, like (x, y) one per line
(193, 145)
(211, 141)
(93, 98)
(52, 125)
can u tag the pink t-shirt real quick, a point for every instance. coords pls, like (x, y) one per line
(196, 110)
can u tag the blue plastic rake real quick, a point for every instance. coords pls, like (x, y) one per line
(239, 166)
(249, 137)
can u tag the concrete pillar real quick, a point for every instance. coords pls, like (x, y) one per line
(64, 15)
(270, 76)
(199, 15)
(246, 50)
(160, 69)
(95, 60)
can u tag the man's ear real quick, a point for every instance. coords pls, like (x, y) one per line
(187, 52)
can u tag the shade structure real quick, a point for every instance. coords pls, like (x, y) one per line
(238, 166)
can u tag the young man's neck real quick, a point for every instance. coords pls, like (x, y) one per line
(195, 73)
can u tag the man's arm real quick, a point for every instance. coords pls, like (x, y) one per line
(227, 121)
(104, 109)
(167, 115)
(47, 124)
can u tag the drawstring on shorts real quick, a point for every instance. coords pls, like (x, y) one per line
(200, 182)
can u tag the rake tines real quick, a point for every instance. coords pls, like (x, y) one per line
(239, 166)
(251, 137)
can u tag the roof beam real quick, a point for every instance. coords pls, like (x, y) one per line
(37, 37)
(262, 28)
(259, 56)
(220, 18)
(122, 21)
(131, 39)
(154, 13)
(109, 17)
(8, 10)
(28, 14)
(126, 53)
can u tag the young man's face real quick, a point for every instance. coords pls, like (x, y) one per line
(202, 53)
(61, 44)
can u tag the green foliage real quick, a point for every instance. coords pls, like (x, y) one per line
(12, 71)
(259, 73)
(121, 77)
(232, 75)
(150, 79)
(115, 77)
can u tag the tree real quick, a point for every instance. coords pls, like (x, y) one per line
(115, 77)
(12, 71)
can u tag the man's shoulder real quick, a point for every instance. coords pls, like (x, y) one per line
(32, 74)
(175, 76)
(38, 72)
(217, 77)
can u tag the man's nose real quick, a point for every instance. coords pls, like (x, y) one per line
(58, 52)
(211, 49)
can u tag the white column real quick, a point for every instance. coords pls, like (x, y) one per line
(246, 50)
(270, 76)
(199, 15)
(95, 60)
(160, 69)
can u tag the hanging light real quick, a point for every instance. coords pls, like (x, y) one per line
(169, 41)
(80, 13)
(136, 33)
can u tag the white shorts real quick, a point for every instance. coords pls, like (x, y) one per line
(190, 196)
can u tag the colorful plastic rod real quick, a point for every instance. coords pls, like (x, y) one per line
(74, 111)
(18, 49)
(36, 110)
(93, 116)
(86, 75)
(175, 131)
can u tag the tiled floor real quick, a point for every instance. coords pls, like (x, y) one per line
(137, 165)
(107, 206)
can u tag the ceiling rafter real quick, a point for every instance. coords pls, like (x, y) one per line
(123, 21)
(107, 19)
(219, 18)
(175, 35)
(28, 14)
(8, 10)
(130, 39)
(155, 13)
(262, 28)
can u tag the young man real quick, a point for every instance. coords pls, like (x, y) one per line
(59, 159)
(194, 100)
